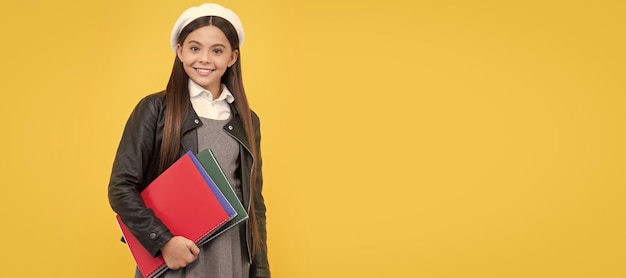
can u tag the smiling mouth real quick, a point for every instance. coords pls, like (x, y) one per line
(204, 71)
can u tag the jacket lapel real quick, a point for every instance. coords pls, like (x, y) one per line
(189, 138)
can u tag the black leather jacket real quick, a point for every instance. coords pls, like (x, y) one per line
(136, 165)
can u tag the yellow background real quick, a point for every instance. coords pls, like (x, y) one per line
(400, 138)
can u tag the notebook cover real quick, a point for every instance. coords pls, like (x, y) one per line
(185, 199)
(210, 164)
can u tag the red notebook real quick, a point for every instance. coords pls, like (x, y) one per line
(185, 199)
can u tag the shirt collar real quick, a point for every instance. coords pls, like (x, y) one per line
(196, 90)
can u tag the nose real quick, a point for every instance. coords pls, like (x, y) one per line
(206, 57)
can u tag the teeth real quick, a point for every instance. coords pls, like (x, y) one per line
(203, 70)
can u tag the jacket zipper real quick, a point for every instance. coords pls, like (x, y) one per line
(250, 193)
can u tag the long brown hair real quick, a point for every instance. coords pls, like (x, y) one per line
(177, 106)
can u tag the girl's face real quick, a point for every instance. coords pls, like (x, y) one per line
(206, 54)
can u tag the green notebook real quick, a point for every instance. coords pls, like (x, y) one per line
(209, 163)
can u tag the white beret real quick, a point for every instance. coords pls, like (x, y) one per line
(207, 9)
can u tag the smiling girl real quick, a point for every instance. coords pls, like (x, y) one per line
(203, 107)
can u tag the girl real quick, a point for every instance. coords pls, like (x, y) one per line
(203, 106)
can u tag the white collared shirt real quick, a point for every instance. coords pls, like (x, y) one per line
(205, 106)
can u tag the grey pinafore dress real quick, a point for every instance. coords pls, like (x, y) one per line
(226, 256)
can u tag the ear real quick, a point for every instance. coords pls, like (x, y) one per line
(233, 58)
(179, 51)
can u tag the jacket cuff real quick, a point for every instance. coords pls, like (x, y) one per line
(158, 241)
(260, 272)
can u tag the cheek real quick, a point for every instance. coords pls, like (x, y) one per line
(188, 69)
(226, 62)
(185, 59)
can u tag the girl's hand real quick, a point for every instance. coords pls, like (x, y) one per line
(179, 252)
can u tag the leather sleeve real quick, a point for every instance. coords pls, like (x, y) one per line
(260, 265)
(133, 170)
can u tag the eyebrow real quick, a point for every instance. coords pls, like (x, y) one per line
(197, 42)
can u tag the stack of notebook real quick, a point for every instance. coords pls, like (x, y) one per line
(193, 199)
